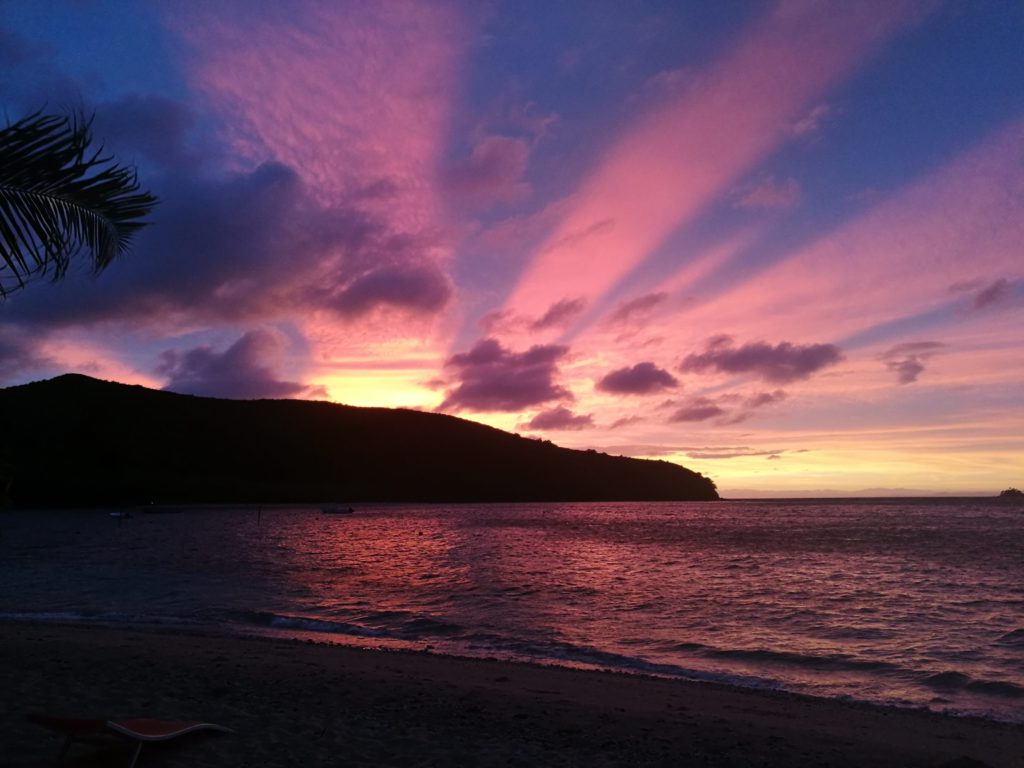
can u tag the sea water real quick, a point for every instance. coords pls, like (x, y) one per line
(904, 602)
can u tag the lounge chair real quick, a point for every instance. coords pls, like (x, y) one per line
(135, 730)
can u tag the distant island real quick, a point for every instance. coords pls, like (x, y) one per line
(1012, 493)
(78, 441)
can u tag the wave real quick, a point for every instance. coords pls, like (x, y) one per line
(562, 652)
(830, 662)
(397, 625)
(957, 681)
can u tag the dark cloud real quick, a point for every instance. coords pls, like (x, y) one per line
(781, 363)
(155, 127)
(907, 360)
(636, 308)
(492, 378)
(228, 246)
(31, 79)
(244, 248)
(640, 379)
(993, 294)
(243, 372)
(558, 418)
(559, 314)
(494, 171)
(699, 409)
(215, 250)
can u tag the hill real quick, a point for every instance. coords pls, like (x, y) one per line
(74, 440)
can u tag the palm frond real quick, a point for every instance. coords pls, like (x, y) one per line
(58, 198)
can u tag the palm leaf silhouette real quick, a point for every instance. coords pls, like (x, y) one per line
(58, 199)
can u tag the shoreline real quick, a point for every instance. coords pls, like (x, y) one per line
(294, 702)
(384, 643)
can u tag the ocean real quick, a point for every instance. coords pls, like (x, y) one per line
(907, 602)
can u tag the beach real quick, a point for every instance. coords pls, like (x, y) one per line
(291, 702)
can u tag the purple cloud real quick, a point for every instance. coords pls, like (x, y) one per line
(413, 287)
(636, 308)
(996, 293)
(762, 399)
(730, 452)
(626, 421)
(699, 409)
(558, 418)
(492, 378)
(18, 354)
(559, 314)
(782, 363)
(640, 379)
(242, 372)
(907, 360)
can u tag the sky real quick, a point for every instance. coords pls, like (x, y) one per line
(780, 243)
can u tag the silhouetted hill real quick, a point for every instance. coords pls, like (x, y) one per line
(77, 441)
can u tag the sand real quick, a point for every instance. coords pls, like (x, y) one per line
(293, 703)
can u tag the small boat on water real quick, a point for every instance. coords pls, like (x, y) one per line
(124, 514)
(336, 509)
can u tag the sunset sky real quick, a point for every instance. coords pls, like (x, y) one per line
(779, 243)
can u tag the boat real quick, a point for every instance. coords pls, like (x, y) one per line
(336, 509)
(122, 514)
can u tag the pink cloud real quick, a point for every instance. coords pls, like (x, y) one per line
(676, 159)
(340, 92)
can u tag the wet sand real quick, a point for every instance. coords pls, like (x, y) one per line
(292, 703)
